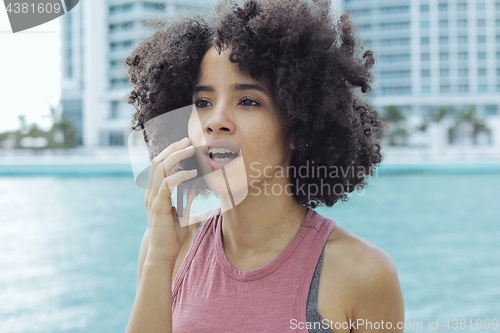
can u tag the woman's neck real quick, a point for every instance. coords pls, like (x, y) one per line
(261, 225)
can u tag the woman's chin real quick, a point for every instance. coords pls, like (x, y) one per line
(217, 183)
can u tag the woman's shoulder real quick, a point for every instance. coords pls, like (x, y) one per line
(356, 274)
(348, 248)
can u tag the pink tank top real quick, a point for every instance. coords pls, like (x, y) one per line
(210, 295)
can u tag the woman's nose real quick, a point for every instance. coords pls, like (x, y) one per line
(219, 122)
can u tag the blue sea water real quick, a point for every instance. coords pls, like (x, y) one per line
(69, 247)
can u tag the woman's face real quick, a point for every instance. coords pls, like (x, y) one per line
(232, 108)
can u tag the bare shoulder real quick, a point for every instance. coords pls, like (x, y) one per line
(360, 256)
(358, 280)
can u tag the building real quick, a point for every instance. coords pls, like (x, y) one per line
(434, 54)
(430, 54)
(96, 36)
(72, 67)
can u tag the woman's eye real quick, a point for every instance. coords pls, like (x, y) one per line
(201, 103)
(249, 102)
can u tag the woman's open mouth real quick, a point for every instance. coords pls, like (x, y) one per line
(222, 157)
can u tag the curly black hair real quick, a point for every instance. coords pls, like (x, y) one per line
(317, 67)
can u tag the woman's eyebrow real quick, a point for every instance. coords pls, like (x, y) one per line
(249, 86)
(240, 86)
(199, 88)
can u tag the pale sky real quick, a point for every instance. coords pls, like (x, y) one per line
(30, 75)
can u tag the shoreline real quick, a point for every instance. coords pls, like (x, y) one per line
(97, 161)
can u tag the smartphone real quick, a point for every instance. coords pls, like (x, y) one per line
(187, 164)
(190, 164)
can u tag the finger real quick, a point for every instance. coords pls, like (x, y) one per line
(164, 154)
(168, 164)
(173, 170)
(179, 177)
(162, 204)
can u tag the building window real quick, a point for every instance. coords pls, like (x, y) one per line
(68, 71)
(482, 87)
(481, 39)
(394, 26)
(481, 22)
(424, 24)
(114, 110)
(153, 6)
(463, 72)
(481, 71)
(120, 9)
(481, 55)
(116, 138)
(425, 73)
(463, 87)
(461, 6)
(444, 72)
(497, 39)
(443, 40)
(365, 27)
(361, 12)
(424, 8)
(390, 58)
(491, 110)
(498, 71)
(120, 27)
(116, 84)
(395, 9)
(426, 89)
(498, 55)
(444, 88)
(395, 41)
(481, 6)
(462, 23)
(443, 56)
(114, 64)
(497, 5)
(425, 40)
(497, 22)
(463, 39)
(443, 7)
(406, 90)
(443, 23)
(395, 74)
(425, 56)
(72, 111)
(463, 55)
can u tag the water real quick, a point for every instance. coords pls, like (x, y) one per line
(69, 247)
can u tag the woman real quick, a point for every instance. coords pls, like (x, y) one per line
(277, 81)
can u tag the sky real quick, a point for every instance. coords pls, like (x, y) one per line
(30, 75)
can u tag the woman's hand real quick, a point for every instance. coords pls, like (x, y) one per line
(165, 232)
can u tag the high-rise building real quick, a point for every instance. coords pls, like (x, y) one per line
(72, 68)
(96, 37)
(432, 53)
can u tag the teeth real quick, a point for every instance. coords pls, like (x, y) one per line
(220, 151)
